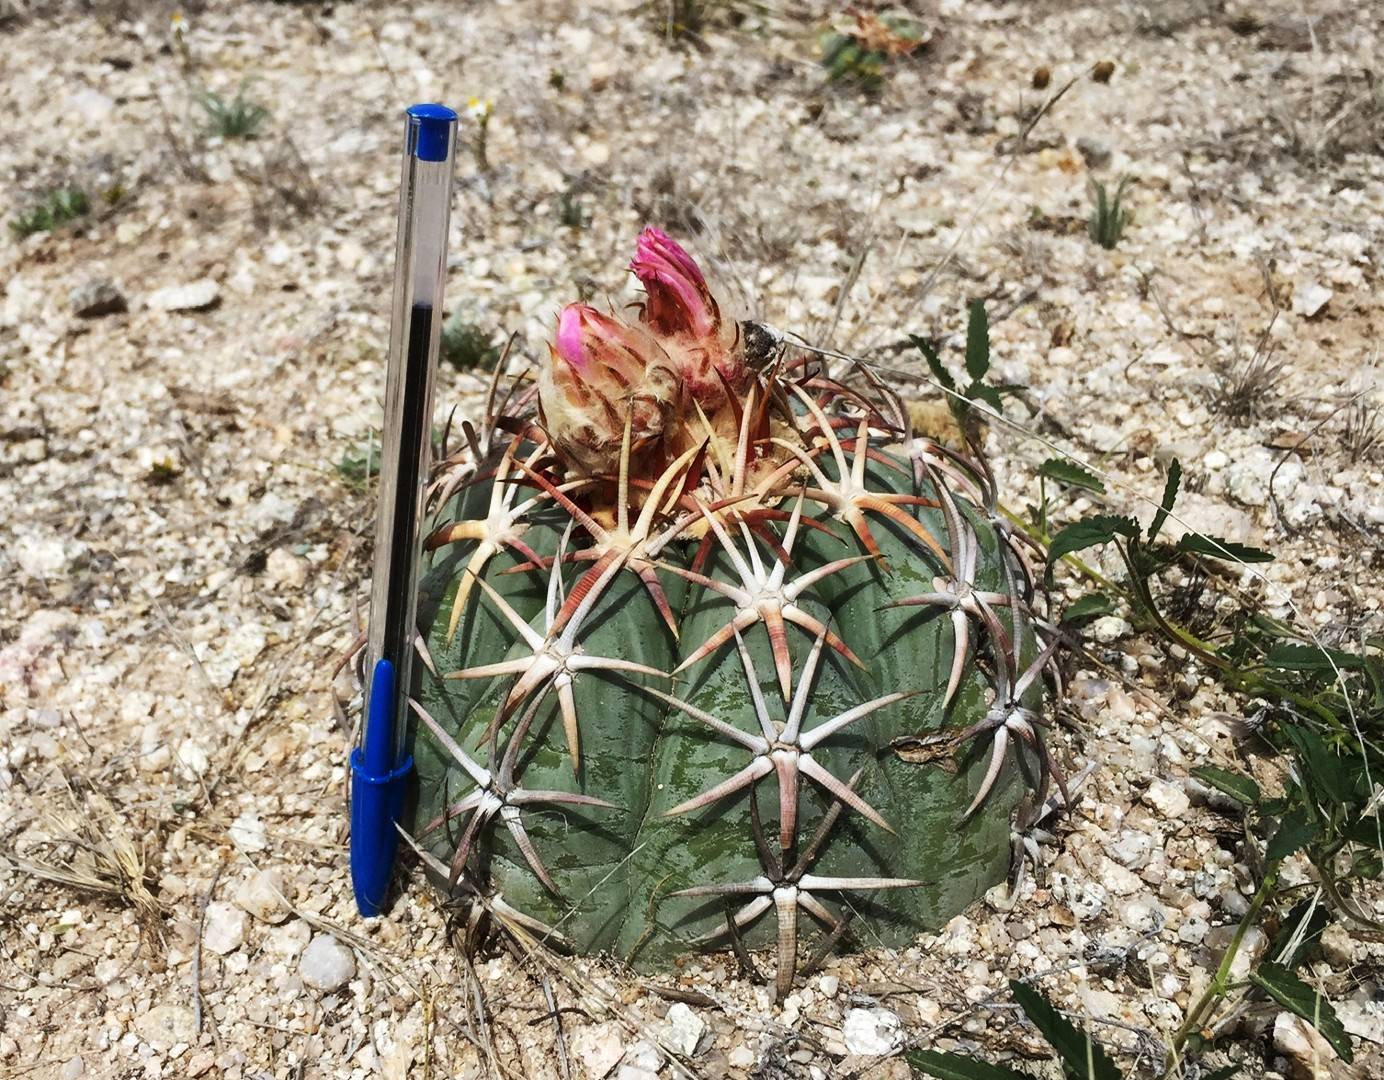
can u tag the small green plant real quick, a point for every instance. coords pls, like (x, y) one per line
(1320, 708)
(860, 55)
(467, 346)
(570, 211)
(1247, 382)
(962, 401)
(58, 208)
(359, 463)
(1109, 218)
(238, 118)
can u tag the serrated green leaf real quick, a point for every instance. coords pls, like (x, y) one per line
(1294, 831)
(1088, 607)
(1219, 548)
(1069, 472)
(1238, 786)
(979, 391)
(1082, 1057)
(1165, 507)
(1295, 995)
(977, 342)
(1323, 765)
(934, 362)
(956, 1067)
(1100, 529)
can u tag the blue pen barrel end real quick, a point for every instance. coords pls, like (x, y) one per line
(377, 793)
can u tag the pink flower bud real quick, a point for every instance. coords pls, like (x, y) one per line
(679, 300)
(602, 370)
(681, 311)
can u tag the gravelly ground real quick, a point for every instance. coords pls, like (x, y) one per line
(183, 558)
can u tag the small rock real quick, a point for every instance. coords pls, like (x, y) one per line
(1095, 153)
(872, 1032)
(196, 295)
(69, 965)
(684, 1029)
(164, 1026)
(742, 1057)
(262, 896)
(1338, 947)
(1168, 799)
(224, 931)
(286, 568)
(289, 939)
(326, 964)
(91, 105)
(97, 298)
(829, 985)
(1193, 930)
(1309, 297)
(247, 832)
(1309, 1055)
(643, 1055)
(599, 1048)
(1110, 628)
(73, 1068)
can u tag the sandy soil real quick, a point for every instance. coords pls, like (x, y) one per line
(183, 559)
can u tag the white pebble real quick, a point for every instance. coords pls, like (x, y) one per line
(1168, 799)
(326, 964)
(684, 1029)
(872, 1032)
(224, 930)
(262, 896)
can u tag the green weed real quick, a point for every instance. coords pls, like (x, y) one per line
(58, 208)
(1109, 218)
(238, 118)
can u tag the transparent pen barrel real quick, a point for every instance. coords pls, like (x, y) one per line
(424, 212)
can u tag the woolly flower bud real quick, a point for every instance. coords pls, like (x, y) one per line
(681, 310)
(601, 371)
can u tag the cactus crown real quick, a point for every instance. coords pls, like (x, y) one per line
(712, 636)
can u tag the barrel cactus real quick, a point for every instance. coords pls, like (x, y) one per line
(720, 656)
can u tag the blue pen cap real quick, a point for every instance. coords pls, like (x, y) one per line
(432, 126)
(377, 793)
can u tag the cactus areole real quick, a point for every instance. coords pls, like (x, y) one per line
(721, 657)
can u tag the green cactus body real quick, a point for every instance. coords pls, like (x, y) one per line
(609, 710)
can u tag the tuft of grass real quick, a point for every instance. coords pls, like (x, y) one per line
(1363, 437)
(1109, 217)
(239, 118)
(57, 208)
(685, 17)
(94, 846)
(1246, 382)
(467, 346)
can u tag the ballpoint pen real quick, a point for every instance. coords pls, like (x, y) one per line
(378, 767)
